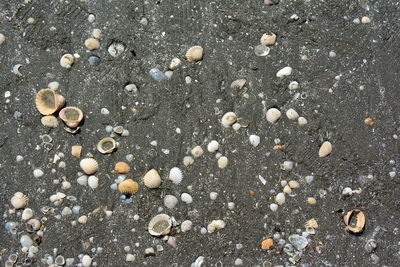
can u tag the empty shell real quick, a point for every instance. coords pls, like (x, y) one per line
(106, 145)
(160, 225)
(325, 149)
(19, 200)
(273, 114)
(49, 121)
(48, 102)
(360, 221)
(71, 116)
(122, 167)
(128, 186)
(194, 53)
(175, 175)
(152, 179)
(89, 165)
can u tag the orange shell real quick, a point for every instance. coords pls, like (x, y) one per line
(369, 121)
(359, 227)
(128, 186)
(122, 167)
(267, 244)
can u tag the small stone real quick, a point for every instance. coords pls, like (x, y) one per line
(66, 211)
(170, 201)
(37, 173)
(236, 126)
(175, 63)
(92, 44)
(104, 111)
(213, 195)
(254, 140)
(94, 60)
(347, 191)
(213, 146)
(96, 33)
(144, 21)
(188, 160)
(273, 115)
(185, 197)
(93, 181)
(293, 85)
(238, 261)
(365, 20)
(149, 252)
(294, 184)
(222, 162)
(27, 214)
(238, 84)
(309, 179)
(186, 226)
(280, 198)
(292, 114)
(83, 219)
(261, 50)
(2, 38)
(197, 151)
(26, 241)
(287, 165)
(302, 121)
(231, 205)
(268, 39)
(156, 74)
(91, 18)
(286, 71)
(130, 257)
(356, 21)
(86, 261)
(19, 158)
(332, 54)
(168, 74)
(311, 201)
(299, 242)
(67, 61)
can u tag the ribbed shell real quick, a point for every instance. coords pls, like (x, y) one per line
(122, 167)
(194, 53)
(152, 179)
(89, 165)
(48, 102)
(175, 175)
(128, 186)
(71, 116)
(106, 145)
(160, 225)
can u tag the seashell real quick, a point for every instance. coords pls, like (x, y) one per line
(175, 63)
(86, 261)
(287, 165)
(222, 162)
(128, 186)
(71, 116)
(273, 115)
(213, 146)
(67, 61)
(185, 197)
(186, 226)
(312, 223)
(238, 84)
(160, 225)
(59, 261)
(195, 53)
(287, 190)
(33, 225)
(48, 102)
(214, 225)
(302, 121)
(49, 121)
(280, 198)
(293, 85)
(298, 241)
(261, 50)
(268, 39)
(325, 149)
(2, 38)
(311, 201)
(175, 175)
(267, 244)
(254, 140)
(13, 258)
(188, 160)
(286, 71)
(292, 114)
(89, 165)
(122, 167)
(93, 182)
(369, 121)
(76, 151)
(152, 179)
(19, 200)
(106, 145)
(197, 151)
(118, 129)
(170, 201)
(294, 184)
(92, 44)
(116, 49)
(27, 214)
(228, 119)
(172, 241)
(359, 227)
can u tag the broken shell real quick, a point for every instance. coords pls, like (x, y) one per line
(214, 225)
(369, 121)
(76, 151)
(170, 201)
(194, 53)
(311, 223)
(128, 186)
(67, 60)
(359, 227)
(273, 115)
(267, 244)
(238, 84)
(160, 225)
(325, 149)
(19, 200)
(48, 102)
(49, 121)
(33, 225)
(268, 39)
(197, 151)
(152, 179)
(92, 44)
(89, 165)
(106, 145)
(175, 175)
(13, 258)
(228, 119)
(71, 116)
(122, 167)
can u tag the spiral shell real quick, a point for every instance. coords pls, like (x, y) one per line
(160, 225)
(106, 145)
(152, 179)
(19, 200)
(48, 102)
(128, 186)
(89, 165)
(71, 116)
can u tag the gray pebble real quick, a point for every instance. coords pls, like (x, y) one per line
(94, 60)
(156, 74)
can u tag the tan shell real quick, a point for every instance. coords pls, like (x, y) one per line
(152, 179)
(92, 44)
(128, 186)
(312, 223)
(48, 102)
(106, 145)
(360, 221)
(19, 200)
(195, 53)
(49, 121)
(71, 116)
(76, 151)
(267, 244)
(325, 149)
(160, 225)
(122, 167)
(369, 121)
(89, 165)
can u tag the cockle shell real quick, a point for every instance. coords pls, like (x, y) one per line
(194, 53)
(160, 225)
(197, 151)
(228, 119)
(128, 186)
(175, 175)
(71, 116)
(49, 121)
(106, 145)
(213, 146)
(89, 165)
(19, 200)
(122, 167)
(325, 149)
(267, 244)
(273, 114)
(152, 179)
(48, 102)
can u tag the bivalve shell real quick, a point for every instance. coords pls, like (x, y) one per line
(273, 115)
(19, 200)
(195, 53)
(325, 149)
(152, 179)
(175, 175)
(160, 225)
(49, 121)
(128, 186)
(106, 145)
(122, 167)
(89, 165)
(48, 102)
(268, 39)
(359, 227)
(228, 119)
(71, 116)
(170, 201)
(267, 244)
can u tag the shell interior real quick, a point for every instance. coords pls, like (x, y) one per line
(160, 226)
(47, 99)
(72, 114)
(107, 145)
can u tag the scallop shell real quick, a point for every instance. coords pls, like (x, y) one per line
(71, 116)
(122, 167)
(228, 119)
(48, 102)
(325, 149)
(175, 175)
(49, 121)
(106, 145)
(195, 53)
(160, 225)
(128, 186)
(152, 179)
(76, 151)
(19, 200)
(89, 165)
(267, 244)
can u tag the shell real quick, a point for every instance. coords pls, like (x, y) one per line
(311, 201)
(254, 140)
(280, 198)
(185, 197)
(152, 179)
(93, 182)
(92, 44)
(186, 226)
(33, 225)
(286, 71)
(222, 162)
(238, 84)
(128, 186)
(195, 53)
(49, 121)
(48, 102)
(228, 119)
(197, 151)
(311, 223)
(170, 201)
(325, 149)
(214, 225)
(294, 184)
(292, 114)
(369, 121)
(60, 261)
(71, 116)
(122, 167)
(76, 151)
(273, 115)
(67, 61)
(106, 145)
(19, 200)
(89, 165)
(302, 121)
(175, 63)
(160, 225)
(175, 175)
(27, 214)
(267, 244)
(13, 258)
(213, 146)
(359, 227)
(188, 160)
(268, 39)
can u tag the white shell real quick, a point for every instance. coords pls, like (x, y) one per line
(197, 151)
(86, 261)
(213, 195)
(67, 60)
(37, 173)
(254, 140)
(302, 121)
(325, 149)
(286, 71)
(273, 114)
(175, 63)
(236, 126)
(186, 226)
(273, 207)
(49, 121)
(27, 214)
(287, 165)
(175, 175)
(228, 119)
(89, 165)
(93, 182)
(280, 198)
(185, 197)
(215, 224)
(33, 224)
(170, 201)
(222, 162)
(293, 85)
(287, 190)
(152, 179)
(188, 160)
(213, 146)
(292, 114)
(19, 200)
(194, 53)
(160, 225)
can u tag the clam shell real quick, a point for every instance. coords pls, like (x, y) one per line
(122, 167)
(48, 102)
(359, 227)
(267, 244)
(49, 121)
(152, 179)
(106, 145)
(128, 186)
(325, 149)
(71, 116)
(228, 119)
(76, 151)
(19, 200)
(273, 114)
(194, 53)
(89, 165)
(160, 225)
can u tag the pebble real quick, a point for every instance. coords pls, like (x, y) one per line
(292, 114)
(254, 140)
(26, 241)
(82, 180)
(19, 158)
(356, 21)
(231, 205)
(332, 54)
(38, 173)
(287, 165)
(188, 80)
(222, 162)
(93, 181)
(104, 111)
(143, 21)
(130, 257)
(273, 207)
(311, 201)
(185, 197)
(299, 242)
(309, 179)
(294, 184)
(2, 38)
(293, 85)
(94, 60)
(273, 115)
(286, 71)
(129, 157)
(170, 201)
(213, 146)
(86, 261)
(302, 121)
(67, 61)
(365, 20)
(149, 252)
(83, 219)
(156, 74)
(347, 191)
(188, 160)
(92, 44)
(96, 33)
(76, 209)
(91, 18)
(280, 198)
(236, 126)
(186, 226)
(238, 261)
(27, 214)
(213, 195)
(168, 74)
(66, 211)
(261, 50)
(268, 39)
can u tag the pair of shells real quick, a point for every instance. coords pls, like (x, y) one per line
(160, 225)
(48, 102)
(152, 179)
(128, 186)
(19, 200)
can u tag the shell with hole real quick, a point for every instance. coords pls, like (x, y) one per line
(19, 200)
(160, 225)
(89, 165)
(71, 116)
(152, 179)
(128, 186)
(48, 102)
(106, 145)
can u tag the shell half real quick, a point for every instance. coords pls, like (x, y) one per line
(89, 165)
(160, 225)
(106, 145)
(48, 102)
(128, 186)
(71, 116)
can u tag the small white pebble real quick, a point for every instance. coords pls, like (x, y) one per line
(66, 185)
(86, 261)
(91, 18)
(273, 207)
(236, 126)
(38, 173)
(347, 191)
(197, 151)
(96, 33)
(254, 140)
(222, 162)
(287, 165)
(332, 54)
(185, 197)
(130, 257)
(104, 111)
(19, 158)
(280, 198)
(213, 146)
(231, 205)
(213, 195)
(392, 174)
(356, 21)
(365, 20)
(286, 71)
(93, 181)
(2, 38)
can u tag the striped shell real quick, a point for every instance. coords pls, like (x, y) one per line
(122, 167)
(89, 165)
(175, 175)
(194, 53)
(128, 186)
(152, 179)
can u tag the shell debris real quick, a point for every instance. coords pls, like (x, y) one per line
(106, 145)
(228, 119)
(160, 225)
(76, 151)
(197, 151)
